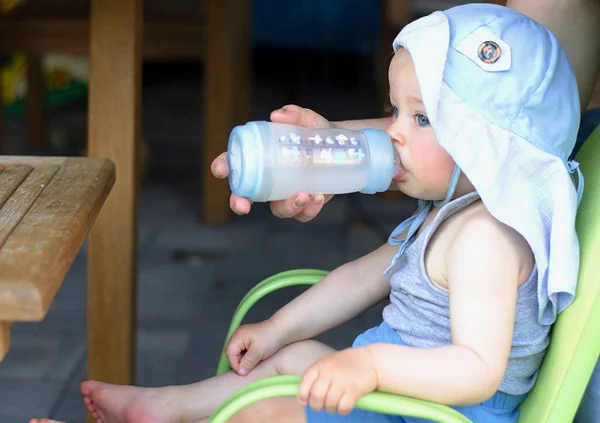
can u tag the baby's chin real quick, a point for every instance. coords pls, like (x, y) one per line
(405, 189)
(418, 193)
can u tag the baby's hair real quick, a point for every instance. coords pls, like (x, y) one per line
(388, 110)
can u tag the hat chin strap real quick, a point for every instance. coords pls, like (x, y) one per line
(451, 188)
(414, 222)
(573, 167)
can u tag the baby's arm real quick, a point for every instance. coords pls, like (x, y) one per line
(343, 294)
(484, 267)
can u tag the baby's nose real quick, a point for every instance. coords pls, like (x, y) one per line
(396, 133)
(397, 138)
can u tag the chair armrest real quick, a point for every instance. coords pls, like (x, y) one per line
(381, 402)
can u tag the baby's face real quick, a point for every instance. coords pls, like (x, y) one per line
(427, 166)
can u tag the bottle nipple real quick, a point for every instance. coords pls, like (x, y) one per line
(397, 163)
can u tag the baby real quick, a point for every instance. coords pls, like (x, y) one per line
(485, 113)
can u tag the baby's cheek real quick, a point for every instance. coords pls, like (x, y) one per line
(436, 171)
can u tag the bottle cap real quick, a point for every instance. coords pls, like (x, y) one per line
(381, 161)
(245, 157)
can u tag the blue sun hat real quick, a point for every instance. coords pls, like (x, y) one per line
(502, 100)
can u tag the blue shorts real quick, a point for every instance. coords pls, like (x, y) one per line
(500, 408)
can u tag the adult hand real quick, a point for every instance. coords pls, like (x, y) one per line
(301, 205)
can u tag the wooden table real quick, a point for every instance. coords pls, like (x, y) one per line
(47, 207)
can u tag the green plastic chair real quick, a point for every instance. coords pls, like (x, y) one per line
(567, 367)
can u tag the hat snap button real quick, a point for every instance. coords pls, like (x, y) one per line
(489, 52)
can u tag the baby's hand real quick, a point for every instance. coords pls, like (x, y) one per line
(338, 380)
(251, 344)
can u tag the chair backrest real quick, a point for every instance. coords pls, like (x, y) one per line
(575, 343)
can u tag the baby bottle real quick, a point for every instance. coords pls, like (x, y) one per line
(271, 161)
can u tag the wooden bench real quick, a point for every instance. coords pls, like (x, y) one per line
(47, 207)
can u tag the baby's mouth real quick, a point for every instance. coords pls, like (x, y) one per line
(400, 174)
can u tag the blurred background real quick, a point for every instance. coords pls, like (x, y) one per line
(194, 264)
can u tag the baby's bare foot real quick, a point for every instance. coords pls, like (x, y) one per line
(130, 404)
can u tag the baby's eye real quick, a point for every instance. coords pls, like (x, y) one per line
(395, 111)
(421, 120)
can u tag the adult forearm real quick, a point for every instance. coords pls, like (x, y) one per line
(339, 297)
(575, 24)
(379, 123)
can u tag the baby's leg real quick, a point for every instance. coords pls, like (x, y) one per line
(44, 420)
(195, 402)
